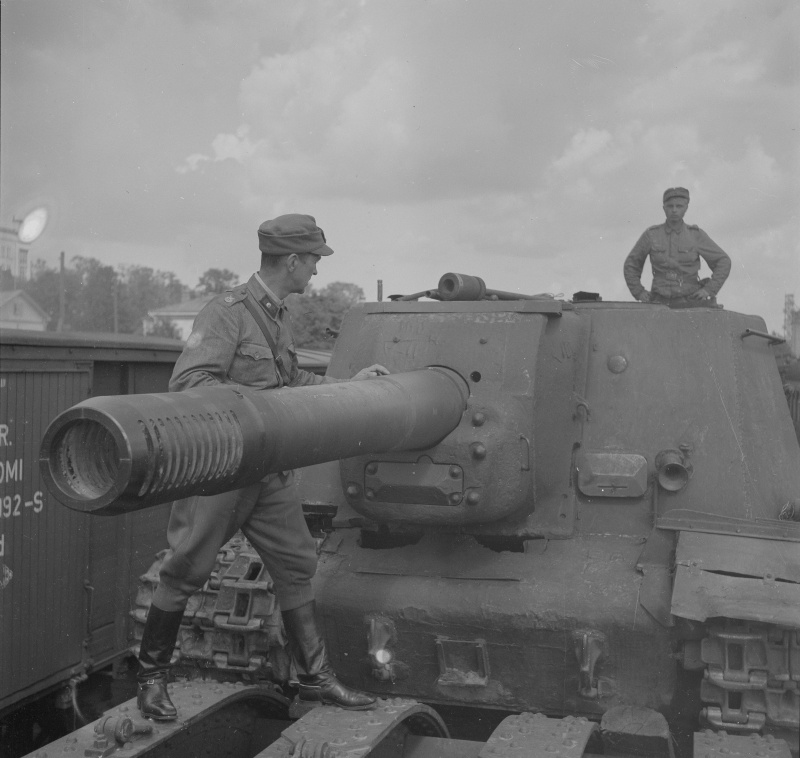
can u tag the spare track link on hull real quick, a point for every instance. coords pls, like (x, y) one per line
(751, 680)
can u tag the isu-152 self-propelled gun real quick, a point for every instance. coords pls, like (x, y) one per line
(580, 509)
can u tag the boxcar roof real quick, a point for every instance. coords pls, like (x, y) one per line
(22, 343)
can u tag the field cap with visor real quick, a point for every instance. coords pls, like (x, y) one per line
(292, 233)
(676, 192)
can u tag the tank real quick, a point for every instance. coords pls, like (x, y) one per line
(577, 509)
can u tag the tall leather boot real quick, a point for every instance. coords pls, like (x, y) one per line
(317, 680)
(155, 655)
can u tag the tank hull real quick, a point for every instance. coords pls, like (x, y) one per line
(477, 627)
(605, 522)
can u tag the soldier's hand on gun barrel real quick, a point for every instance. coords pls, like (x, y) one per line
(701, 294)
(371, 371)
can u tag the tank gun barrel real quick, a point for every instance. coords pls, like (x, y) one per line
(111, 455)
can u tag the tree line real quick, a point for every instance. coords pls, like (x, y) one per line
(101, 298)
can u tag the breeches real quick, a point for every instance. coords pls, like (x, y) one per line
(271, 518)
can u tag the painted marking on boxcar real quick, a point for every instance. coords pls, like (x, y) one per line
(14, 505)
(11, 471)
(7, 573)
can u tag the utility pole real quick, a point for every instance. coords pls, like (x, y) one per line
(115, 296)
(61, 296)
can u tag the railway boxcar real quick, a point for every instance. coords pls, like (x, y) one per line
(67, 581)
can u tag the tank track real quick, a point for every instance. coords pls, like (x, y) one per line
(232, 628)
(751, 679)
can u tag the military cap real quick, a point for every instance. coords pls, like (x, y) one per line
(292, 233)
(676, 192)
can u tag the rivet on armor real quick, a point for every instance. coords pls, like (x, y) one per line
(617, 364)
(353, 490)
(455, 472)
(478, 450)
(478, 418)
(473, 498)
(372, 469)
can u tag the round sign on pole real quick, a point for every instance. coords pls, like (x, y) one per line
(32, 225)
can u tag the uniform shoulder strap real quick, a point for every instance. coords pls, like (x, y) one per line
(258, 315)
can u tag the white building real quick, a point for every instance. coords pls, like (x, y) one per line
(181, 315)
(18, 310)
(13, 253)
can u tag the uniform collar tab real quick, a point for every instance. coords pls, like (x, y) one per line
(266, 296)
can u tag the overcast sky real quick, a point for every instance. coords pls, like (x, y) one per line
(524, 141)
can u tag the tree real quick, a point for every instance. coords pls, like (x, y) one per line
(98, 298)
(782, 352)
(165, 328)
(7, 281)
(44, 287)
(144, 290)
(216, 280)
(92, 308)
(317, 313)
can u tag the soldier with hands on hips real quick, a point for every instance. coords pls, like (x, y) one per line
(244, 337)
(675, 249)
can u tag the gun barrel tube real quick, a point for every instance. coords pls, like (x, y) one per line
(117, 454)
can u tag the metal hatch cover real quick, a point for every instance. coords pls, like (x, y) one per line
(609, 473)
(737, 577)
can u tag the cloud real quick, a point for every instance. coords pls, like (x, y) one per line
(192, 163)
(585, 145)
(531, 143)
(236, 147)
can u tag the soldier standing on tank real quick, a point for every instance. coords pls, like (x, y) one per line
(675, 249)
(244, 337)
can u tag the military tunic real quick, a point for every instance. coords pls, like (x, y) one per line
(227, 346)
(675, 259)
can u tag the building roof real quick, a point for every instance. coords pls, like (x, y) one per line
(89, 340)
(187, 308)
(9, 295)
(103, 344)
